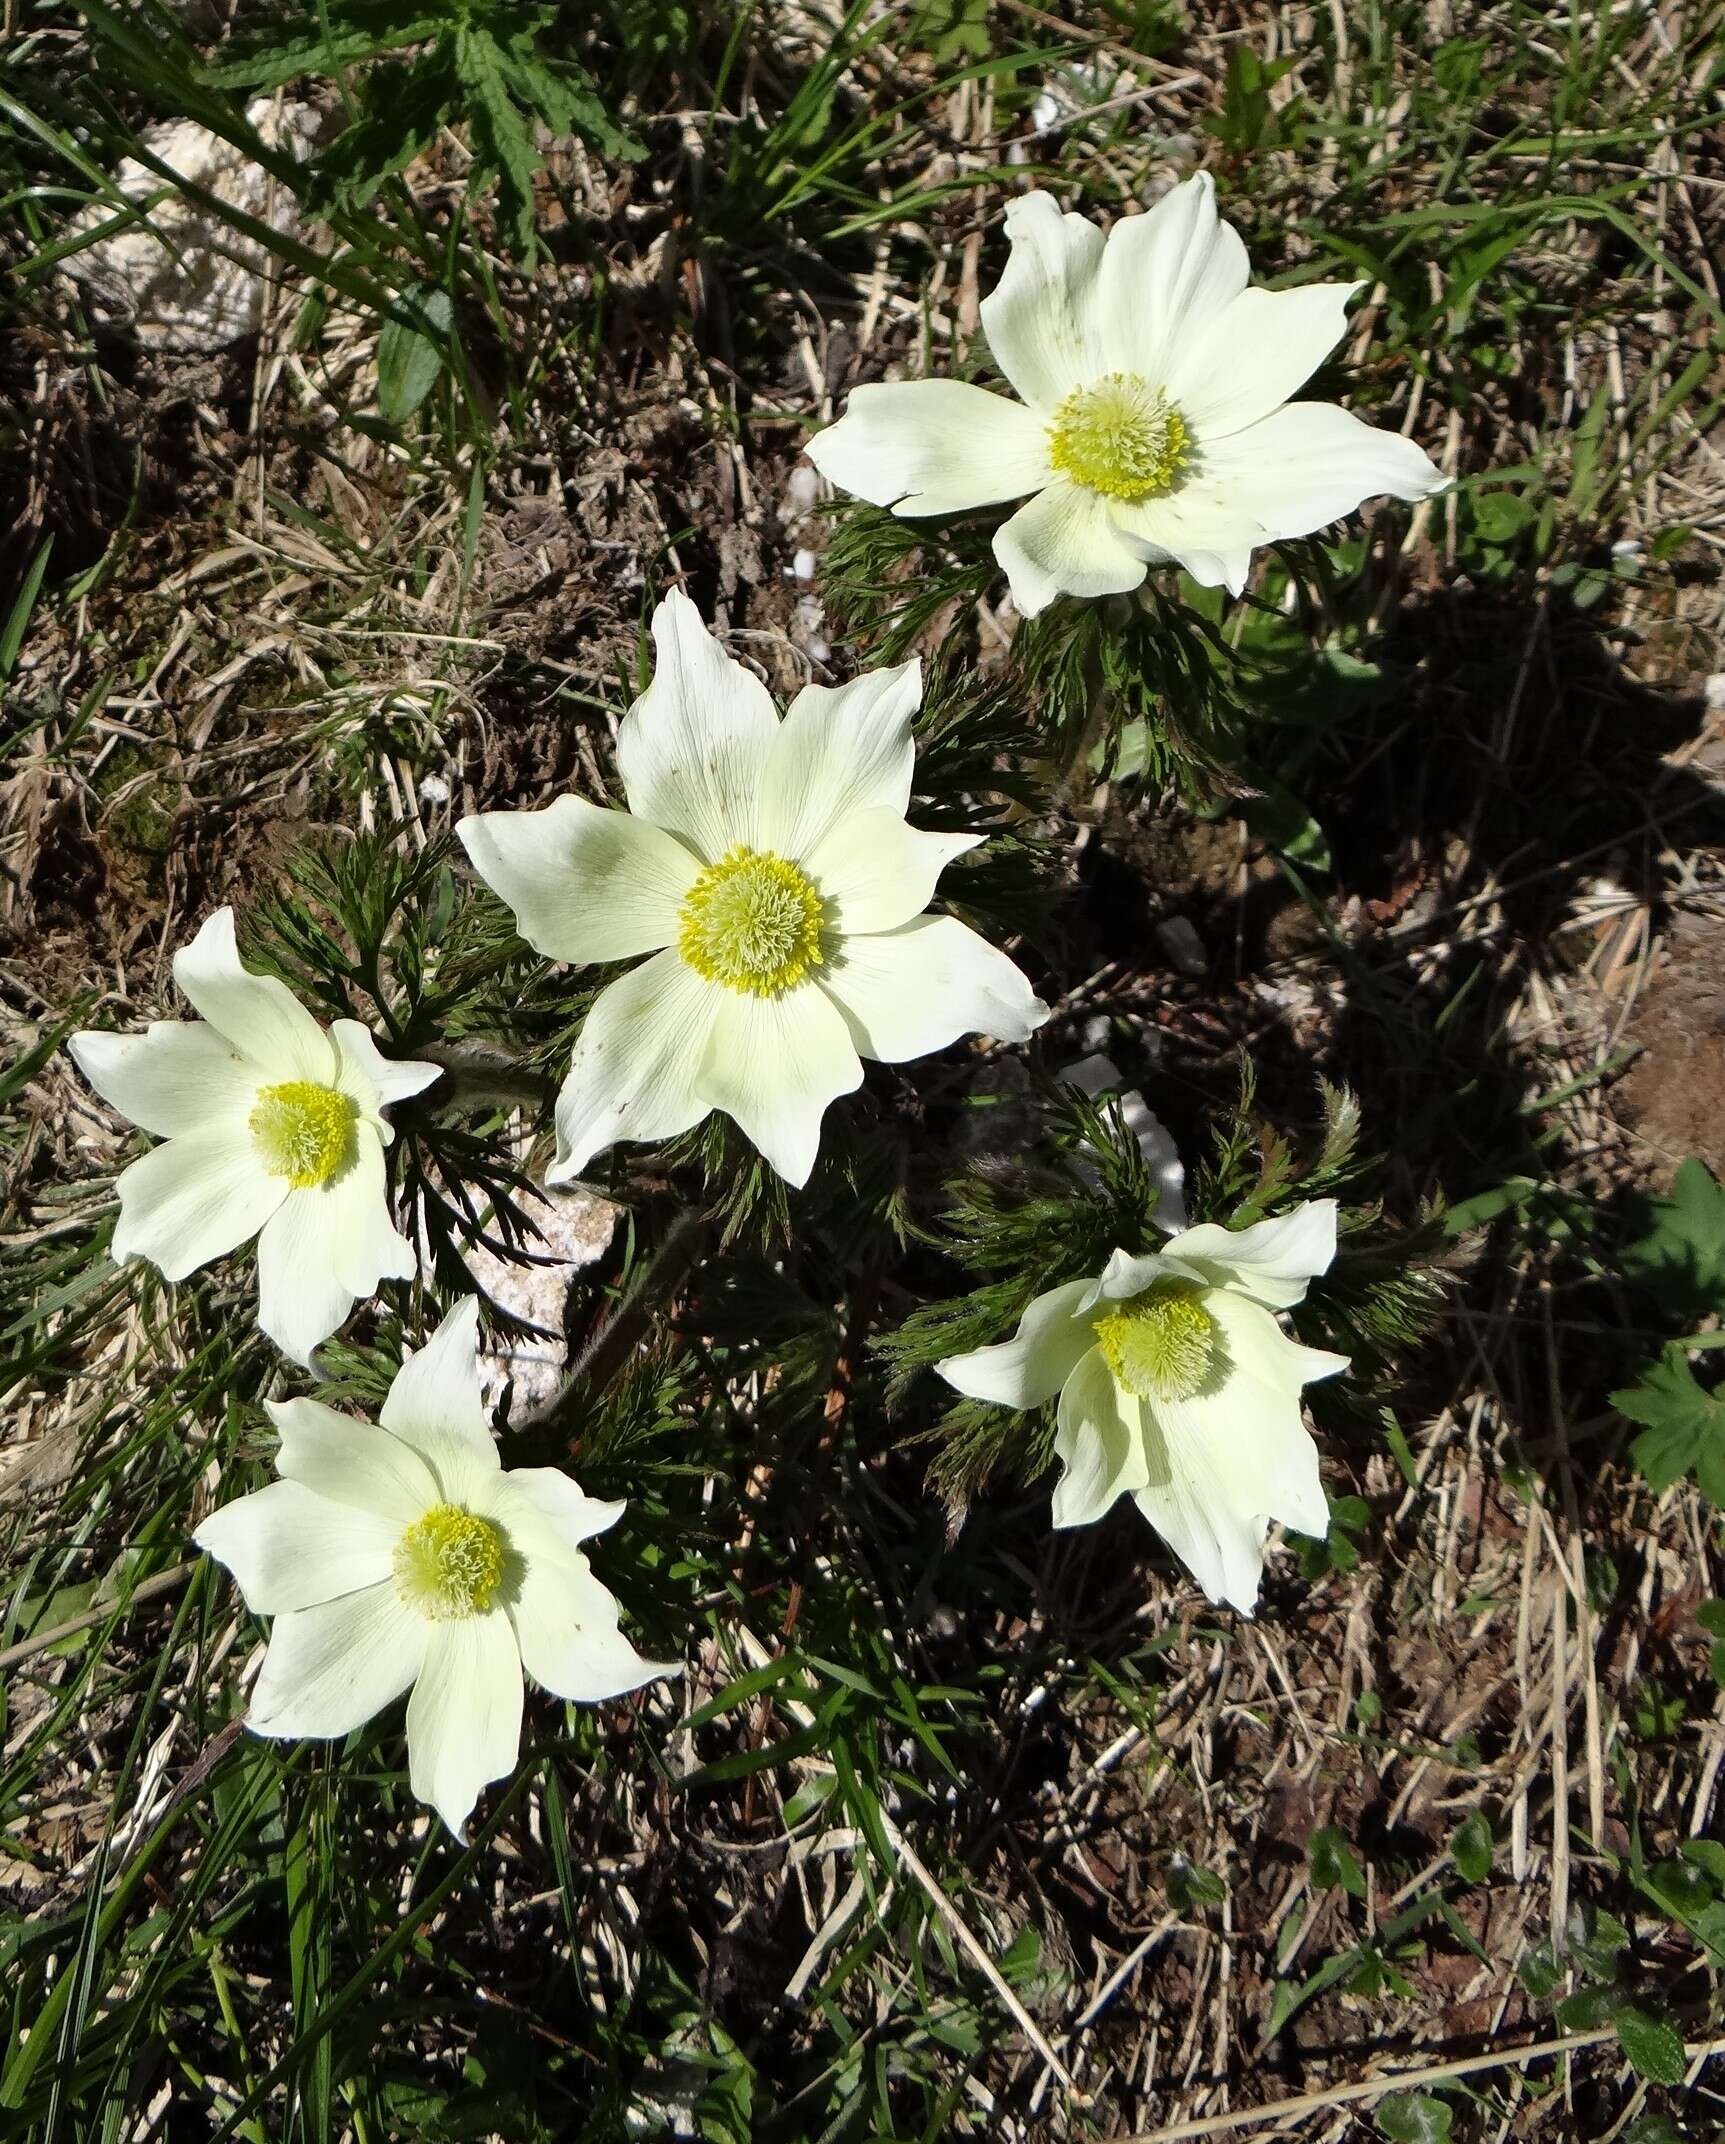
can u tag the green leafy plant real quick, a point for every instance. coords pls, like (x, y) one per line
(496, 67)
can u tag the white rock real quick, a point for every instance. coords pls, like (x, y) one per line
(574, 1229)
(803, 489)
(185, 279)
(1098, 1075)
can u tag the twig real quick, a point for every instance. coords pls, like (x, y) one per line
(983, 1962)
(145, 1590)
(1280, 2110)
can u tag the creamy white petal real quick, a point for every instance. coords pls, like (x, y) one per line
(371, 1079)
(932, 447)
(875, 872)
(1305, 465)
(1211, 538)
(437, 1386)
(1224, 1464)
(841, 750)
(1164, 277)
(1223, 1550)
(1260, 349)
(544, 1513)
(291, 1548)
(1030, 1368)
(193, 1199)
(1099, 1441)
(1126, 1275)
(566, 1625)
(633, 1075)
(365, 1246)
(583, 884)
(464, 1717)
(177, 1076)
(908, 991)
(434, 1406)
(1260, 1349)
(331, 1668)
(1064, 542)
(349, 1462)
(301, 1299)
(773, 1065)
(1273, 1261)
(693, 747)
(1041, 319)
(258, 1014)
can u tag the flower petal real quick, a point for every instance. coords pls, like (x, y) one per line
(841, 750)
(1031, 1367)
(566, 1625)
(1259, 349)
(437, 1386)
(371, 1079)
(773, 1065)
(932, 447)
(875, 872)
(289, 1548)
(193, 1199)
(1164, 278)
(330, 1668)
(1041, 318)
(693, 746)
(1307, 464)
(348, 1462)
(177, 1076)
(464, 1717)
(1272, 1261)
(1064, 543)
(1210, 537)
(365, 1244)
(545, 1513)
(301, 1298)
(1259, 1347)
(583, 884)
(257, 1014)
(1225, 1463)
(1099, 1440)
(434, 1405)
(633, 1072)
(908, 991)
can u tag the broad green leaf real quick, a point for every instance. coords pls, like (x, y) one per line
(1652, 2043)
(1414, 2118)
(1685, 1425)
(409, 359)
(1681, 1253)
(1471, 1848)
(1335, 1862)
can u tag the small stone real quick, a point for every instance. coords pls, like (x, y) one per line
(1179, 939)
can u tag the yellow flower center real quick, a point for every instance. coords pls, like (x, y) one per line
(303, 1132)
(449, 1564)
(1121, 437)
(1161, 1345)
(752, 921)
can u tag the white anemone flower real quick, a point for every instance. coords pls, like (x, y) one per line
(766, 868)
(273, 1127)
(403, 1556)
(1152, 422)
(1179, 1389)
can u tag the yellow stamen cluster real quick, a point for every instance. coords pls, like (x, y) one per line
(752, 921)
(1161, 1345)
(303, 1131)
(1121, 437)
(449, 1564)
